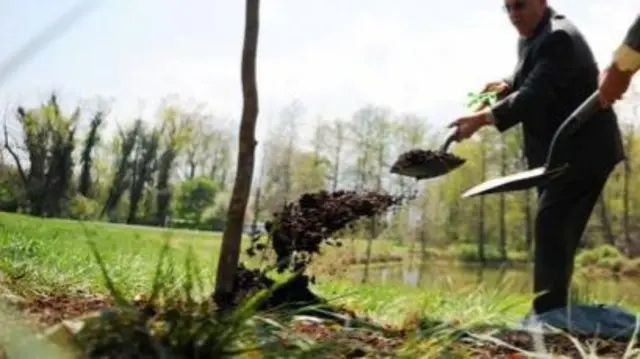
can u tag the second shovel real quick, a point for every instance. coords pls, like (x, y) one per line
(554, 165)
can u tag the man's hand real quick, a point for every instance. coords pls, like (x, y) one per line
(470, 124)
(613, 83)
(500, 87)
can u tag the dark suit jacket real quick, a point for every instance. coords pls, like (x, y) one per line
(555, 73)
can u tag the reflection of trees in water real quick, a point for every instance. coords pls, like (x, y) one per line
(422, 271)
(506, 278)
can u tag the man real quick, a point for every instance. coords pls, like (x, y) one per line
(626, 62)
(555, 73)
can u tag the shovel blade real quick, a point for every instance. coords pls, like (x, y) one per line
(515, 182)
(423, 164)
(427, 170)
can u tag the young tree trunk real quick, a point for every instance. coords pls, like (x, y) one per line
(230, 249)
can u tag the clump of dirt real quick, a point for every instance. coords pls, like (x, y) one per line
(296, 234)
(298, 230)
(440, 160)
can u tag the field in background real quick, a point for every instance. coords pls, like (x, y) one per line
(55, 253)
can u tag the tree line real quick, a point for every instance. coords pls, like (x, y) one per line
(61, 164)
(177, 170)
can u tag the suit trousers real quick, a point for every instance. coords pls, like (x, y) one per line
(564, 207)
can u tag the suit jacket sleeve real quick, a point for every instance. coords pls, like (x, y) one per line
(540, 88)
(627, 55)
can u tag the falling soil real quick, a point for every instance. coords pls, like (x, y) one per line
(296, 234)
(438, 161)
(301, 227)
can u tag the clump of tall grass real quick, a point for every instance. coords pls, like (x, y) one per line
(178, 320)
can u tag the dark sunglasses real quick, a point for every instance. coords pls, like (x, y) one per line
(515, 6)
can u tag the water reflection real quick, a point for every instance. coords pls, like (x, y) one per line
(513, 278)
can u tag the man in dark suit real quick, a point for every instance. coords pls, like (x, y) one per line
(615, 79)
(555, 73)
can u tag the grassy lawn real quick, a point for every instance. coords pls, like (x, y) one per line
(53, 257)
(55, 254)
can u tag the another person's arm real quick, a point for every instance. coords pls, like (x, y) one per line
(615, 79)
(627, 55)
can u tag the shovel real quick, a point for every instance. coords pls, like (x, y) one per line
(554, 165)
(421, 164)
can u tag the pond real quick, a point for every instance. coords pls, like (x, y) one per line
(516, 278)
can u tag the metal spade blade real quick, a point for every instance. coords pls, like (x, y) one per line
(420, 164)
(555, 164)
(515, 182)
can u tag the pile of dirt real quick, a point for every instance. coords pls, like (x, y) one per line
(418, 157)
(247, 282)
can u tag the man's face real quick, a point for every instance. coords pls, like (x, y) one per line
(525, 14)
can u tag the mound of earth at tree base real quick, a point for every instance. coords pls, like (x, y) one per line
(247, 282)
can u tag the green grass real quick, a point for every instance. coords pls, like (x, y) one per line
(608, 260)
(54, 255)
(396, 304)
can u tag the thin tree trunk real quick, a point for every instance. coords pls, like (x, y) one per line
(231, 239)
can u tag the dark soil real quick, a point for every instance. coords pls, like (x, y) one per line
(301, 227)
(438, 160)
(293, 293)
(296, 234)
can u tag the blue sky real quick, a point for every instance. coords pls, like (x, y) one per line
(333, 56)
